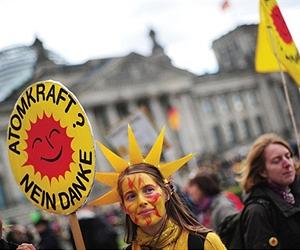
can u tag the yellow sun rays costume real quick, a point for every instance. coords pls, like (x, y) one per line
(172, 237)
(135, 157)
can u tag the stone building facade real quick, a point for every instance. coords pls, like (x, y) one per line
(220, 114)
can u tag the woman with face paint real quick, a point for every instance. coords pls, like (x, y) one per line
(271, 218)
(156, 218)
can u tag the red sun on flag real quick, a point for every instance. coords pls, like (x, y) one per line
(280, 25)
(49, 147)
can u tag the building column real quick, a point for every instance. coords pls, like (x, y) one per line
(112, 114)
(160, 117)
(101, 163)
(189, 137)
(273, 119)
(157, 112)
(132, 107)
(14, 196)
(204, 125)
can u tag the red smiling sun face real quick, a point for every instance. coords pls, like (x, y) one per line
(49, 147)
(280, 25)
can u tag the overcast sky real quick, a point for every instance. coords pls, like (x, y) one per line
(80, 30)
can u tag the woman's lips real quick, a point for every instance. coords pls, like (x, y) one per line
(288, 174)
(146, 212)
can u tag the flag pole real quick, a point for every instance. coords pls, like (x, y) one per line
(287, 97)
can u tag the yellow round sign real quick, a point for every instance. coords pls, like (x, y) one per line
(51, 148)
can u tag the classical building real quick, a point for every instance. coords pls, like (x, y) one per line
(220, 114)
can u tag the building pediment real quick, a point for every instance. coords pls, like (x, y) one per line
(131, 70)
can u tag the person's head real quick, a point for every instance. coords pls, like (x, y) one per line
(41, 225)
(204, 184)
(270, 159)
(17, 234)
(148, 200)
(143, 194)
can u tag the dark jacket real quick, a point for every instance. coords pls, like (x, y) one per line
(272, 226)
(49, 240)
(97, 234)
(7, 245)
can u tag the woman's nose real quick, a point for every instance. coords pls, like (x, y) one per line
(142, 201)
(286, 162)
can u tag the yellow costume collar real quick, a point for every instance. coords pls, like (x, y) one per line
(135, 157)
(172, 237)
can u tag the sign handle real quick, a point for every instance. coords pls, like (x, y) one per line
(76, 232)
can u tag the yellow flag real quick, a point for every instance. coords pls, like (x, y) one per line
(274, 39)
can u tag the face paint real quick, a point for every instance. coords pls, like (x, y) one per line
(144, 200)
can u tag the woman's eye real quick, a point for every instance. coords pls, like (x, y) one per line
(149, 190)
(130, 197)
(276, 160)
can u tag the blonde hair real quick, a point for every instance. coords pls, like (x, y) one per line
(251, 174)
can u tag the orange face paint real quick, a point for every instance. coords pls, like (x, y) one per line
(144, 200)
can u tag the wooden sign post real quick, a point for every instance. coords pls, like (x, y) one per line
(76, 232)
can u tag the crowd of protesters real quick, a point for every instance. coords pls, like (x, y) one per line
(269, 173)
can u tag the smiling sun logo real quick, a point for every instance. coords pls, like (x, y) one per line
(280, 25)
(49, 148)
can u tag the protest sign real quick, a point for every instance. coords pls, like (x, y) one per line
(51, 148)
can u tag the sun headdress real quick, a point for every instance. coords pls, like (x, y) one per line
(135, 157)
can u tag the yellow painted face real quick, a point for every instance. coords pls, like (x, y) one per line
(144, 200)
